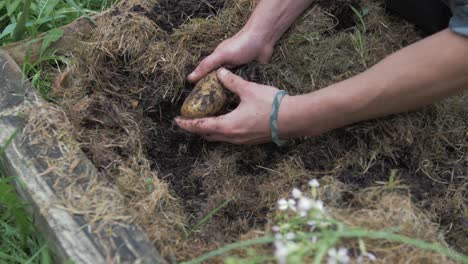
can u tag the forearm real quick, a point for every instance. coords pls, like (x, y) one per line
(271, 18)
(420, 74)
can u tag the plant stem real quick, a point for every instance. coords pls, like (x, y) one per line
(21, 24)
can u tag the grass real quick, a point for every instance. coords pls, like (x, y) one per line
(296, 240)
(20, 241)
(209, 216)
(27, 19)
(335, 236)
(21, 19)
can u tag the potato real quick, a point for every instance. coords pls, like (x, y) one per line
(206, 99)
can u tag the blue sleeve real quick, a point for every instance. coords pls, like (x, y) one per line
(459, 21)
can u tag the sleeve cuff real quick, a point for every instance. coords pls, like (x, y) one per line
(459, 21)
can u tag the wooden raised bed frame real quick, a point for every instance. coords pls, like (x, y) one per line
(64, 231)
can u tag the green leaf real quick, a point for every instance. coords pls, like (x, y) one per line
(8, 142)
(44, 20)
(46, 7)
(82, 12)
(51, 37)
(11, 6)
(8, 30)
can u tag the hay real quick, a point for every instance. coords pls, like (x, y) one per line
(128, 86)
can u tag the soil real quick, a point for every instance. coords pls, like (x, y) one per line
(341, 9)
(171, 14)
(174, 153)
(202, 175)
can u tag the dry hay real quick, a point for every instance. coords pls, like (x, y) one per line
(129, 84)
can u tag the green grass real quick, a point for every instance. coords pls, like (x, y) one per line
(20, 242)
(306, 244)
(21, 19)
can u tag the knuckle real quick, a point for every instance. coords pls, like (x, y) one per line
(238, 131)
(226, 130)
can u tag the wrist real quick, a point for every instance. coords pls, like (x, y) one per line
(310, 114)
(261, 35)
(286, 119)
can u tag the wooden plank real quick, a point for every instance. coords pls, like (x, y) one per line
(64, 231)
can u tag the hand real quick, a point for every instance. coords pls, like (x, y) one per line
(242, 48)
(249, 123)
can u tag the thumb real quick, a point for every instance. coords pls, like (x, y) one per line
(206, 66)
(231, 81)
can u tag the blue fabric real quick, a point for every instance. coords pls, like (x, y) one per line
(459, 21)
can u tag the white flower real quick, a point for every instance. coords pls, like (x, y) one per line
(319, 206)
(281, 252)
(282, 204)
(296, 193)
(338, 256)
(275, 229)
(290, 236)
(292, 204)
(283, 249)
(305, 204)
(370, 256)
(314, 183)
(278, 236)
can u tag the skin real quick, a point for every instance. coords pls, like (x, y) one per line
(420, 74)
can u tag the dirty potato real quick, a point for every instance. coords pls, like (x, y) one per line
(206, 99)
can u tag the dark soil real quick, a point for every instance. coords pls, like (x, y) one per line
(173, 153)
(171, 14)
(341, 9)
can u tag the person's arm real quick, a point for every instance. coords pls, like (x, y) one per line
(420, 74)
(256, 40)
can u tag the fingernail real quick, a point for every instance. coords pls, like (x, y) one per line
(192, 76)
(223, 72)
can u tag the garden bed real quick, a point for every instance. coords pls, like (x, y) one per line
(127, 83)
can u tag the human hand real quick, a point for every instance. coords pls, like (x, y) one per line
(249, 123)
(242, 48)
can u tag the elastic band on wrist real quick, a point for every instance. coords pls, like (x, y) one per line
(274, 119)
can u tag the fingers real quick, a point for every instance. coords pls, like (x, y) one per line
(201, 126)
(206, 66)
(231, 81)
(211, 129)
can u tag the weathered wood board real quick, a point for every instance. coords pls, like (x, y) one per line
(67, 233)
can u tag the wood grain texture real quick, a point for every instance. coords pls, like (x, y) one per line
(65, 232)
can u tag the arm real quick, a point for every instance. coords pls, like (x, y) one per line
(255, 41)
(420, 74)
